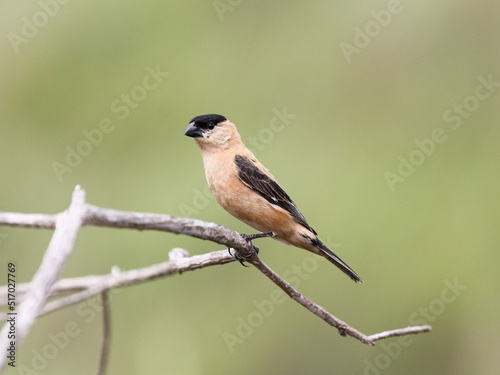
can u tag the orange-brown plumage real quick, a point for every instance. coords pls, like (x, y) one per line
(249, 192)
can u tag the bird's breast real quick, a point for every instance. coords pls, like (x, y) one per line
(241, 201)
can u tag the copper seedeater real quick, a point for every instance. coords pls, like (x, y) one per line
(246, 189)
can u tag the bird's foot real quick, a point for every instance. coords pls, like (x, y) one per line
(239, 257)
(249, 238)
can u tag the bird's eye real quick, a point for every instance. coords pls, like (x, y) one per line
(210, 125)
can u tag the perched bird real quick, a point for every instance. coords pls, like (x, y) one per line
(246, 189)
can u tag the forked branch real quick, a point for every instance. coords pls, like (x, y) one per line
(66, 224)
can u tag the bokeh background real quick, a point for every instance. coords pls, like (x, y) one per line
(361, 86)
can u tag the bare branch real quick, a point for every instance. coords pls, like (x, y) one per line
(105, 217)
(191, 227)
(343, 328)
(67, 225)
(85, 287)
(106, 334)
(28, 220)
(401, 332)
(91, 285)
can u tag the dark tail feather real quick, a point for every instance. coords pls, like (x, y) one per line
(328, 254)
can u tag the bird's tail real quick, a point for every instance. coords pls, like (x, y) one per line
(328, 254)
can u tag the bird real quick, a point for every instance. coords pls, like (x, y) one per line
(249, 192)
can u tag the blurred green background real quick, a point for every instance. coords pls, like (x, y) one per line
(363, 85)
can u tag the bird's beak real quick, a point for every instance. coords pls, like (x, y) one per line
(193, 131)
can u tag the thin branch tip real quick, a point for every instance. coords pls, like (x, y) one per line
(401, 332)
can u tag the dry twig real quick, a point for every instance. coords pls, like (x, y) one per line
(106, 333)
(67, 225)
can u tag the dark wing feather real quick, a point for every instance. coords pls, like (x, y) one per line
(267, 188)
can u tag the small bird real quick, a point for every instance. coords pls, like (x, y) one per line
(246, 189)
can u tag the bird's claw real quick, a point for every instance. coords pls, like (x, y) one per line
(239, 257)
(249, 238)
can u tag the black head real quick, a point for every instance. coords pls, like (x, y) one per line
(200, 124)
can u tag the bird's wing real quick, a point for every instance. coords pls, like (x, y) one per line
(267, 188)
